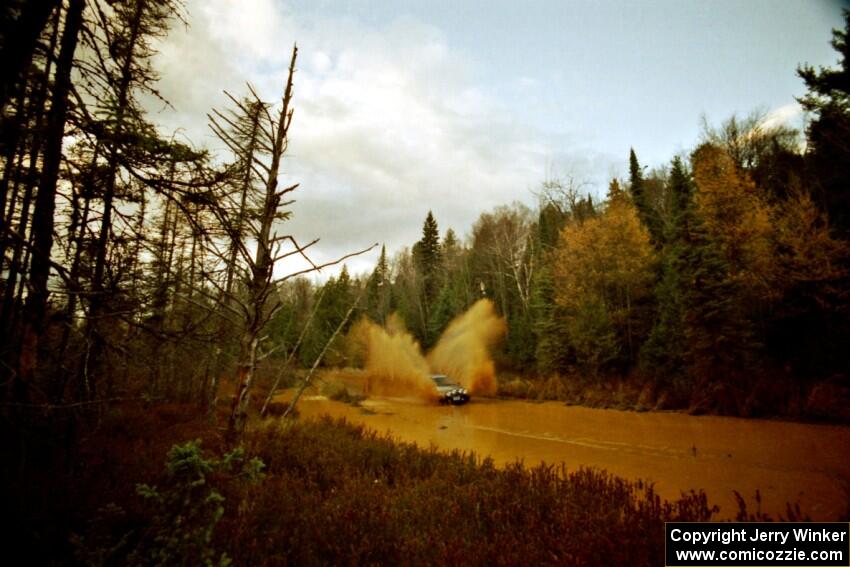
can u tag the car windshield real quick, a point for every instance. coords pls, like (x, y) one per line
(441, 380)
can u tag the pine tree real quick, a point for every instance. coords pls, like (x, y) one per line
(551, 336)
(428, 259)
(546, 317)
(828, 153)
(662, 355)
(445, 308)
(45, 204)
(20, 25)
(737, 218)
(450, 242)
(723, 236)
(592, 335)
(338, 294)
(428, 256)
(550, 221)
(635, 180)
(718, 335)
(638, 192)
(378, 290)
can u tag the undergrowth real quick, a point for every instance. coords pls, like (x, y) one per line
(137, 490)
(339, 493)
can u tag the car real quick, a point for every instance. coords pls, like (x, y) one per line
(448, 392)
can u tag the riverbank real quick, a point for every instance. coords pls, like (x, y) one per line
(824, 402)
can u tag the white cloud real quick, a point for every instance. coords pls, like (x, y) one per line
(388, 122)
(786, 115)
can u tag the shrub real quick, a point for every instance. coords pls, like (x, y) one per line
(182, 514)
(333, 493)
(336, 493)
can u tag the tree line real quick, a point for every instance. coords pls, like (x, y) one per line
(723, 273)
(136, 264)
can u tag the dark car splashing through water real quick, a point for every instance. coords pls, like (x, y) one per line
(448, 392)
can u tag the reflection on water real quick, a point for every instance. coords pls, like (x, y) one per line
(785, 461)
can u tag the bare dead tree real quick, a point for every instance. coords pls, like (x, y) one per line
(565, 193)
(253, 247)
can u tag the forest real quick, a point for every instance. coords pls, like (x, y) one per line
(717, 283)
(138, 270)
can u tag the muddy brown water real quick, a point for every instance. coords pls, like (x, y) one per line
(805, 463)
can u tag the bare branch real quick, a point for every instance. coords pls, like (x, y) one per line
(326, 264)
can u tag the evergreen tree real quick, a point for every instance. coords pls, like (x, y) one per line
(592, 335)
(428, 259)
(428, 256)
(550, 222)
(445, 308)
(828, 152)
(550, 329)
(635, 179)
(547, 318)
(45, 203)
(718, 335)
(584, 209)
(638, 192)
(338, 294)
(378, 290)
(662, 355)
(450, 243)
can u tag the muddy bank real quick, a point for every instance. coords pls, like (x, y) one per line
(785, 461)
(777, 397)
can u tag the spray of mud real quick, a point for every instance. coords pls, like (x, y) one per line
(463, 351)
(395, 364)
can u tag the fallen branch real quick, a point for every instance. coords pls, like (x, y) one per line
(291, 354)
(321, 355)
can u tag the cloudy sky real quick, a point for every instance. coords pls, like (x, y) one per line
(457, 107)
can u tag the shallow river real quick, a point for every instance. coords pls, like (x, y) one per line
(785, 461)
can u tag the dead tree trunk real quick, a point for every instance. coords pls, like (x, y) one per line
(45, 204)
(260, 286)
(257, 303)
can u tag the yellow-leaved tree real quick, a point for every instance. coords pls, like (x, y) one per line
(738, 218)
(603, 273)
(807, 254)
